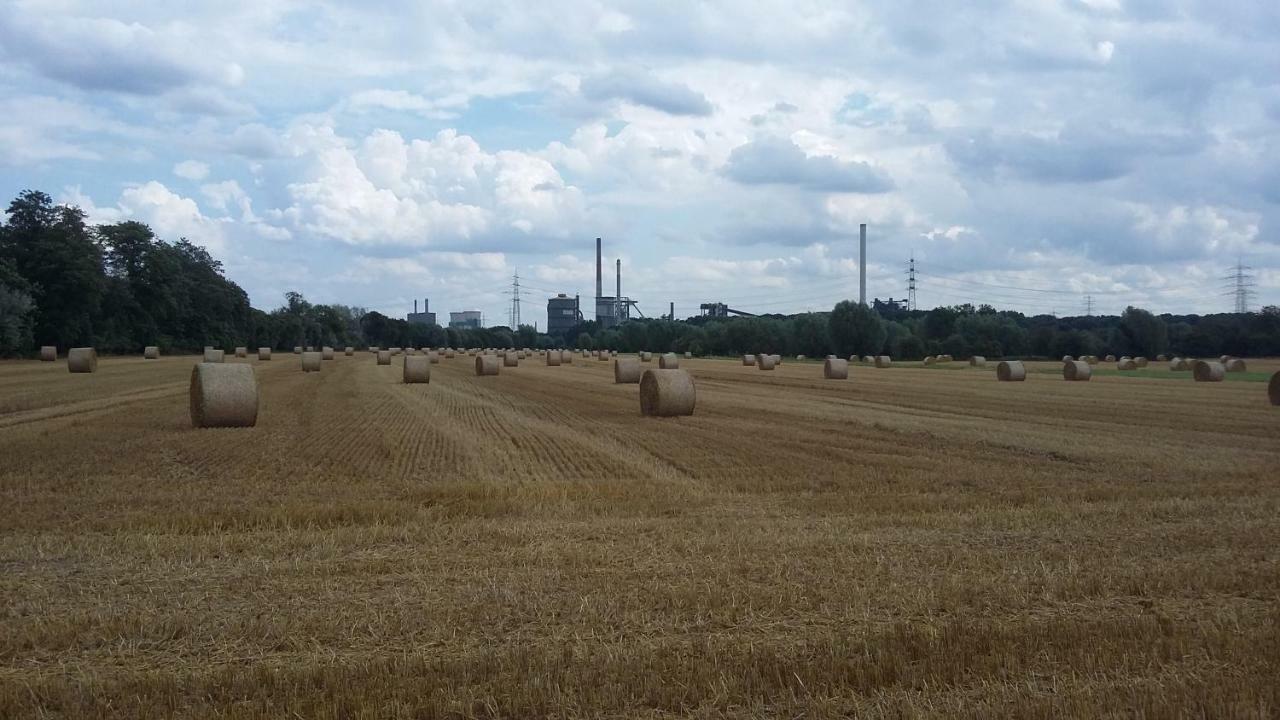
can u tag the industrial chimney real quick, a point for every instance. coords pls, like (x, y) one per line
(599, 276)
(619, 295)
(862, 264)
(415, 306)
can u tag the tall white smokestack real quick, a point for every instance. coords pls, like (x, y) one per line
(599, 276)
(862, 263)
(619, 278)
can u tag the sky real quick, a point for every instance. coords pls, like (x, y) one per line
(1036, 156)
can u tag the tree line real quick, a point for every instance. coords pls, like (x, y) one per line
(118, 287)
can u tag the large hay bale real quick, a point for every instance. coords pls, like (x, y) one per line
(1161, 358)
(566, 357)
(511, 359)
(1076, 370)
(1011, 371)
(487, 365)
(82, 360)
(602, 356)
(309, 348)
(883, 361)
(311, 361)
(646, 357)
(48, 353)
(687, 354)
(264, 353)
(553, 358)
(213, 355)
(1068, 358)
(395, 350)
(1141, 362)
(1235, 365)
(151, 352)
(1179, 364)
(867, 359)
(929, 360)
(1224, 359)
(384, 357)
(767, 362)
(223, 396)
(242, 352)
(326, 353)
(417, 369)
(297, 349)
(777, 359)
(748, 360)
(1091, 359)
(801, 357)
(348, 351)
(1126, 364)
(1204, 371)
(669, 361)
(433, 357)
(1273, 388)
(945, 358)
(835, 369)
(626, 370)
(449, 354)
(1111, 358)
(667, 393)
(977, 361)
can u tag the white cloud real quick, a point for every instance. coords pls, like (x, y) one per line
(191, 170)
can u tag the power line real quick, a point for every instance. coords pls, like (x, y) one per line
(1243, 284)
(1088, 305)
(911, 282)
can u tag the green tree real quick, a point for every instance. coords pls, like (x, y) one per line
(1143, 333)
(856, 329)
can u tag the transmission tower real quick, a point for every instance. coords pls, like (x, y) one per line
(1088, 305)
(1240, 284)
(513, 315)
(911, 282)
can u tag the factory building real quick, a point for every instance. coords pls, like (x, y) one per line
(421, 318)
(466, 319)
(562, 315)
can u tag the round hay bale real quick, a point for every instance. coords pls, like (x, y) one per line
(1273, 388)
(1141, 362)
(646, 357)
(602, 356)
(1208, 371)
(883, 361)
(297, 349)
(374, 348)
(326, 353)
(688, 354)
(767, 362)
(417, 369)
(82, 360)
(1224, 359)
(223, 396)
(666, 393)
(1180, 364)
(553, 358)
(311, 361)
(801, 357)
(487, 365)
(1076, 370)
(566, 357)
(626, 370)
(309, 348)
(777, 359)
(395, 350)
(748, 360)
(511, 359)
(433, 358)
(348, 351)
(669, 361)
(384, 357)
(945, 358)
(264, 353)
(151, 352)
(1235, 365)
(835, 369)
(1068, 358)
(866, 359)
(1161, 358)
(1126, 364)
(929, 360)
(449, 354)
(1011, 371)
(1110, 358)
(977, 361)
(242, 352)
(213, 355)
(48, 353)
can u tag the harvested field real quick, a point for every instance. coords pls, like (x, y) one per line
(913, 542)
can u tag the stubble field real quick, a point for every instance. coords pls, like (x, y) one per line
(908, 543)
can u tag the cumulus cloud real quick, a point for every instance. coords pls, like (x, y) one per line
(641, 88)
(774, 161)
(191, 170)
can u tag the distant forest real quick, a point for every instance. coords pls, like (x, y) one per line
(119, 288)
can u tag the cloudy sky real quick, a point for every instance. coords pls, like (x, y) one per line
(1030, 154)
